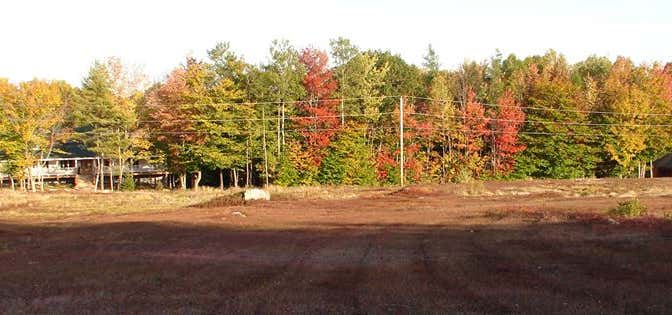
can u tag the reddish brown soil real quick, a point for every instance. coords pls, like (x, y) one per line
(420, 250)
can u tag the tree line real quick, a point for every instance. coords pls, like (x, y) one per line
(308, 116)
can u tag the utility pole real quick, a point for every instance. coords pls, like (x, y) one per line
(263, 121)
(401, 140)
(342, 111)
(283, 124)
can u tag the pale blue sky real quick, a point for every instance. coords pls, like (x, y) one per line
(60, 39)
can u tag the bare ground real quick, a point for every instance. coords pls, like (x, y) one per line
(521, 247)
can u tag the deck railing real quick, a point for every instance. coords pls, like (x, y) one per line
(58, 171)
(136, 169)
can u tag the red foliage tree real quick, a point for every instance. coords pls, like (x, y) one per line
(413, 130)
(505, 127)
(667, 81)
(170, 112)
(474, 125)
(321, 122)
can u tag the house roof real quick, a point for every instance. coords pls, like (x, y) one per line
(663, 162)
(71, 149)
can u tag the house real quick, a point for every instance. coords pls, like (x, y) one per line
(76, 166)
(662, 167)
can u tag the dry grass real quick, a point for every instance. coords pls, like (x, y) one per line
(69, 203)
(613, 188)
(63, 204)
(326, 192)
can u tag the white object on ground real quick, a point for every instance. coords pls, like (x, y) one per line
(256, 194)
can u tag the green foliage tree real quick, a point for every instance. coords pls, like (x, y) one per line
(107, 115)
(32, 114)
(559, 143)
(349, 162)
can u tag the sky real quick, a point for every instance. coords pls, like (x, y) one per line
(61, 39)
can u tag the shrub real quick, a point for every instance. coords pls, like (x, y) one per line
(349, 162)
(463, 176)
(296, 167)
(629, 209)
(127, 183)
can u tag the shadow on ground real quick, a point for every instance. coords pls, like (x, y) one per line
(143, 267)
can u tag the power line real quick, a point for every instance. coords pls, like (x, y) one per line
(563, 123)
(236, 134)
(548, 109)
(292, 102)
(239, 119)
(509, 132)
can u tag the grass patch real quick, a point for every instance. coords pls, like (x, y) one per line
(630, 209)
(51, 205)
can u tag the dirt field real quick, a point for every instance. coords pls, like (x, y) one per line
(519, 247)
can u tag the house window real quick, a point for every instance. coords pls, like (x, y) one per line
(67, 164)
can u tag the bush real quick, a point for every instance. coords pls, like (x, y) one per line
(296, 167)
(629, 209)
(463, 176)
(127, 183)
(349, 162)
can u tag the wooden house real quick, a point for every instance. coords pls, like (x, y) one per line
(76, 166)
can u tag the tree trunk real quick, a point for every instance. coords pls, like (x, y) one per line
(235, 178)
(198, 179)
(639, 169)
(96, 165)
(31, 179)
(651, 169)
(101, 173)
(11, 182)
(183, 181)
(121, 173)
(221, 179)
(111, 177)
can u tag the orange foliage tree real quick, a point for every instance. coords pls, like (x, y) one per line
(505, 127)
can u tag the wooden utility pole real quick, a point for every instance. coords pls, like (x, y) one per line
(401, 140)
(247, 159)
(342, 111)
(283, 124)
(278, 136)
(263, 121)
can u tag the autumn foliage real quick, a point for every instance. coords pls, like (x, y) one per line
(298, 119)
(321, 121)
(505, 128)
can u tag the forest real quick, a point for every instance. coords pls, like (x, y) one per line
(310, 116)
